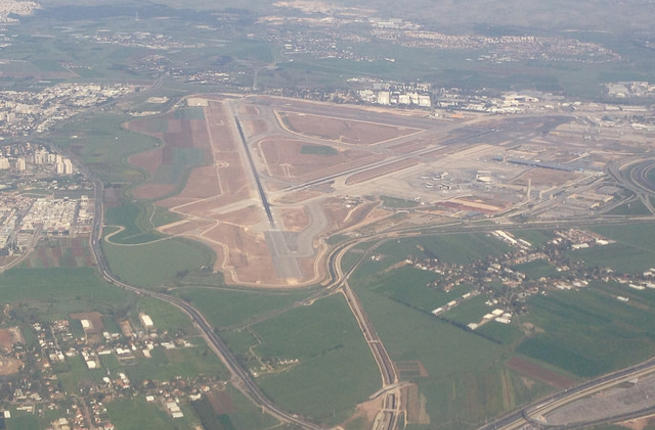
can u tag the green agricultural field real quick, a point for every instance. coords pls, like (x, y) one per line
(318, 150)
(74, 373)
(408, 286)
(535, 237)
(537, 269)
(620, 257)
(468, 311)
(631, 208)
(137, 414)
(466, 382)
(589, 332)
(21, 420)
(182, 362)
(351, 258)
(164, 316)
(336, 369)
(157, 263)
(456, 248)
(506, 334)
(639, 235)
(224, 307)
(56, 292)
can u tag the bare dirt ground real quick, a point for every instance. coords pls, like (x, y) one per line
(148, 160)
(640, 424)
(544, 177)
(319, 167)
(532, 370)
(295, 219)
(163, 164)
(285, 159)
(221, 402)
(9, 366)
(415, 405)
(10, 337)
(254, 127)
(366, 410)
(342, 130)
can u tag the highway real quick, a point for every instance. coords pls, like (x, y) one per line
(241, 377)
(339, 281)
(633, 176)
(530, 413)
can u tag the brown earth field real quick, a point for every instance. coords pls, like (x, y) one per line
(367, 411)
(180, 133)
(284, 159)
(535, 371)
(225, 178)
(219, 201)
(221, 402)
(203, 182)
(341, 218)
(342, 130)
(295, 219)
(153, 191)
(299, 196)
(248, 109)
(51, 253)
(248, 252)
(415, 406)
(464, 204)
(247, 216)
(9, 366)
(638, 424)
(412, 369)
(545, 177)
(147, 160)
(253, 127)
(9, 337)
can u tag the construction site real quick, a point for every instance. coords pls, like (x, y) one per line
(270, 179)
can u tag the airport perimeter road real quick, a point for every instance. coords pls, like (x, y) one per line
(241, 377)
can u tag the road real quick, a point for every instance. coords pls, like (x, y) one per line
(241, 377)
(530, 413)
(339, 280)
(634, 176)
